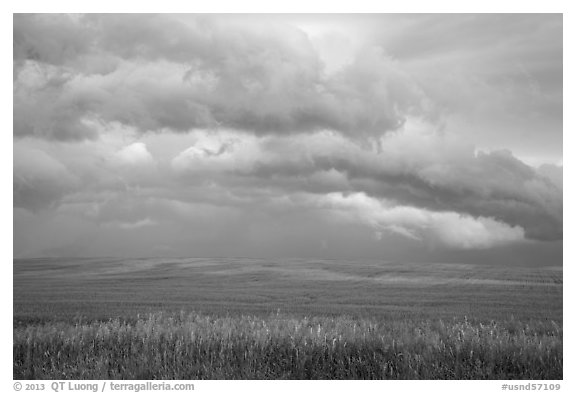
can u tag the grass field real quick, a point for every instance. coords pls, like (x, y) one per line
(247, 318)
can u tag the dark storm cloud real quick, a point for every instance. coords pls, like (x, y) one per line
(157, 73)
(253, 128)
(51, 39)
(428, 189)
(40, 180)
(431, 173)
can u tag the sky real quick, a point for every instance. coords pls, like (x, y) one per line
(398, 137)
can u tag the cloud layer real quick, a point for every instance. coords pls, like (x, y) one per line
(191, 129)
(153, 73)
(425, 171)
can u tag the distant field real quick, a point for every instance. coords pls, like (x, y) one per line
(248, 318)
(61, 289)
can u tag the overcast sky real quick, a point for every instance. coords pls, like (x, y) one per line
(400, 137)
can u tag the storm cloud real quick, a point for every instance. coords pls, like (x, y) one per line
(155, 73)
(429, 172)
(279, 133)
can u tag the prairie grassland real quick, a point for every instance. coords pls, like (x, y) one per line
(192, 318)
(99, 289)
(196, 346)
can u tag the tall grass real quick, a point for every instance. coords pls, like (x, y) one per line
(195, 346)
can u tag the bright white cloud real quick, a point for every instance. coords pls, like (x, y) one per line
(135, 154)
(445, 228)
(146, 222)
